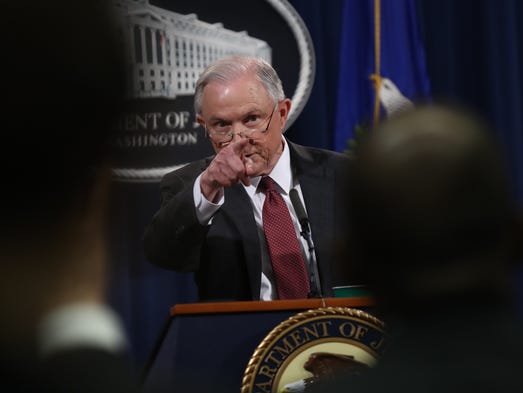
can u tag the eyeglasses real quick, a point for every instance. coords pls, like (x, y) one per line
(222, 135)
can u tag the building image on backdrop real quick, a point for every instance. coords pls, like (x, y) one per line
(168, 51)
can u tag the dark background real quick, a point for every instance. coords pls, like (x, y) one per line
(474, 56)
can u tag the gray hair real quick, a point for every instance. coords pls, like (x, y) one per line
(230, 68)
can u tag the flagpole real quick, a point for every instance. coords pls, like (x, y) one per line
(377, 58)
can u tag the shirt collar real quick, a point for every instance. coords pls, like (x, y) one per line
(281, 173)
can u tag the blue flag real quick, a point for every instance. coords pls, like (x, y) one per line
(382, 64)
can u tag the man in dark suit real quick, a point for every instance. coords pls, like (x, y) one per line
(210, 220)
(62, 82)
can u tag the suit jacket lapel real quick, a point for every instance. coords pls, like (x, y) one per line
(237, 200)
(317, 186)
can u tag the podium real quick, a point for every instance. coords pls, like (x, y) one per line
(205, 347)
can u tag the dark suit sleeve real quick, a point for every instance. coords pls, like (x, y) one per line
(174, 238)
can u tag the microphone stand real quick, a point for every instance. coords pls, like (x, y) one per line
(314, 276)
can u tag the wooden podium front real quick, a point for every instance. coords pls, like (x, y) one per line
(205, 347)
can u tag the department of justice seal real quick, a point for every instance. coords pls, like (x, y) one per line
(312, 346)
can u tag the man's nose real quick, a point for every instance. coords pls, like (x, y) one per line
(237, 131)
(236, 135)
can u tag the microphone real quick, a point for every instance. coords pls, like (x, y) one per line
(300, 211)
(314, 276)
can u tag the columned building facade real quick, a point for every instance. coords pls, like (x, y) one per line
(168, 51)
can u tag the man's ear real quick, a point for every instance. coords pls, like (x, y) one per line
(200, 120)
(284, 108)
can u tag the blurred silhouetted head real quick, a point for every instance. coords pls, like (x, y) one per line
(431, 211)
(62, 87)
(62, 84)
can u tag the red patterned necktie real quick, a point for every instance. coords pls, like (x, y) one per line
(284, 250)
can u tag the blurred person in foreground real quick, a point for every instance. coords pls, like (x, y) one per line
(62, 86)
(436, 233)
(212, 220)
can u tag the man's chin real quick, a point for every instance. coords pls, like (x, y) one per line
(255, 166)
(258, 170)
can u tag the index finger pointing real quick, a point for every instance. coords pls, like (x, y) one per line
(237, 147)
